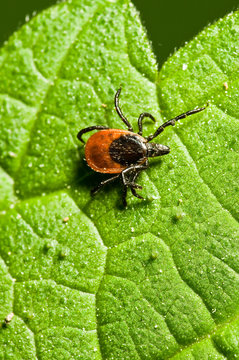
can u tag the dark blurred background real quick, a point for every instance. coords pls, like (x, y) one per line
(169, 23)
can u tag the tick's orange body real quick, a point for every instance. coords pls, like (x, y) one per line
(97, 150)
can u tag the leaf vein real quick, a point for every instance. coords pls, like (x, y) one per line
(132, 339)
(224, 263)
(20, 101)
(224, 209)
(31, 333)
(148, 302)
(185, 281)
(56, 283)
(96, 295)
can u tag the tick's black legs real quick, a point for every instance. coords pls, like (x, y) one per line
(119, 112)
(129, 176)
(127, 123)
(140, 119)
(90, 128)
(102, 183)
(139, 187)
(172, 122)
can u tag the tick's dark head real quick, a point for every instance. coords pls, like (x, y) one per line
(156, 149)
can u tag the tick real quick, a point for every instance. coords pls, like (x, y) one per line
(124, 153)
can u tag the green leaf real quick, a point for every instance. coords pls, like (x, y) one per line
(85, 278)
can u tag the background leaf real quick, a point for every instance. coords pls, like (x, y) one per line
(153, 281)
(160, 18)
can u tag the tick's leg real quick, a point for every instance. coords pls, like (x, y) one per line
(119, 112)
(172, 122)
(140, 119)
(90, 128)
(136, 194)
(133, 172)
(133, 181)
(102, 183)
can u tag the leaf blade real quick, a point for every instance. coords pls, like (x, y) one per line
(152, 281)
